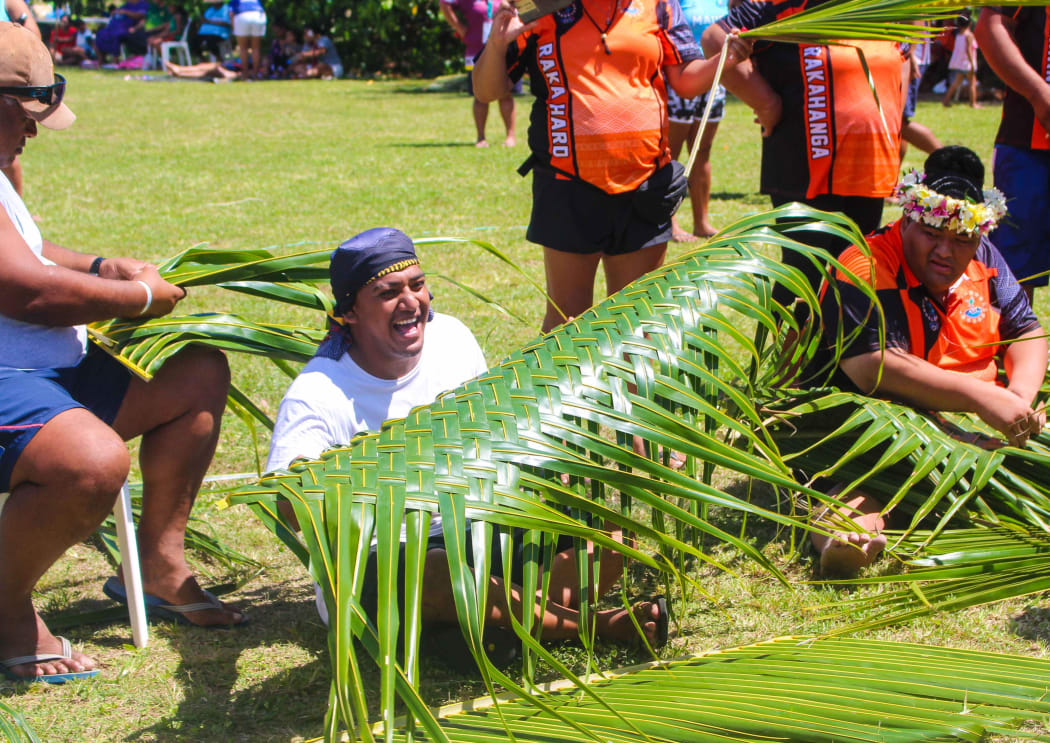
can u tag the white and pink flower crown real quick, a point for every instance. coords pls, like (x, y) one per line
(922, 204)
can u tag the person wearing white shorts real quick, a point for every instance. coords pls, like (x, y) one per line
(249, 27)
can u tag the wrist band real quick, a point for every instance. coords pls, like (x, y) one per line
(96, 265)
(149, 297)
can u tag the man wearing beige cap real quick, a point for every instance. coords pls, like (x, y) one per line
(65, 410)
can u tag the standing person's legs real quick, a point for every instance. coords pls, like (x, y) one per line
(1024, 178)
(242, 54)
(506, 111)
(570, 284)
(957, 78)
(256, 42)
(178, 414)
(700, 180)
(680, 132)
(481, 115)
(973, 89)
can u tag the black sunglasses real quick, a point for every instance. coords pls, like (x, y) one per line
(49, 95)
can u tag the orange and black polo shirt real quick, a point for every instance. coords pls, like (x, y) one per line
(986, 306)
(602, 117)
(1019, 126)
(831, 138)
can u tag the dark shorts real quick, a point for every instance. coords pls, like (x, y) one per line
(866, 211)
(32, 398)
(687, 110)
(369, 591)
(1023, 236)
(575, 217)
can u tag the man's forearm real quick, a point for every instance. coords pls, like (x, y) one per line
(67, 258)
(743, 80)
(1025, 363)
(915, 381)
(490, 74)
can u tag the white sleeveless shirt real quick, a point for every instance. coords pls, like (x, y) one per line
(26, 345)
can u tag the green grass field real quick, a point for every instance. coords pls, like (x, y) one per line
(150, 169)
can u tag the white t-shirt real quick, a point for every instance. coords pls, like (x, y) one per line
(331, 400)
(26, 345)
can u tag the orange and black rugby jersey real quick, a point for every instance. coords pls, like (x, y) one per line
(985, 306)
(831, 138)
(602, 117)
(1031, 30)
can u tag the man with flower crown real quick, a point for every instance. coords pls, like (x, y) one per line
(953, 310)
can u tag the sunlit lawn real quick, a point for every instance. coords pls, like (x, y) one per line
(150, 169)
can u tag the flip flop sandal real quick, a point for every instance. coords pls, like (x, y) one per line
(48, 678)
(158, 608)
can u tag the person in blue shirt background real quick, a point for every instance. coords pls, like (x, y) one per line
(214, 29)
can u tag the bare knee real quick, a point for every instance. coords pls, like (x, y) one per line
(206, 375)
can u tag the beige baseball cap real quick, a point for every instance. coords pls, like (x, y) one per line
(26, 63)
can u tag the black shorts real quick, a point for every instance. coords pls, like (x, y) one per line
(575, 217)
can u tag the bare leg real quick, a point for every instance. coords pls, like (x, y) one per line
(678, 132)
(570, 283)
(700, 181)
(196, 71)
(256, 57)
(849, 551)
(559, 622)
(973, 91)
(921, 136)
(242, 53)
(178, 415)
(481, 115)
(62, 487)
(506, 111)
(14, 174)
(950, 93)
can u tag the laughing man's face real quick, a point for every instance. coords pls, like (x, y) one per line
(387, 323)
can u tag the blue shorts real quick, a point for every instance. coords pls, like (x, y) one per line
(687, 110)
(1023, 236)
(31, 398)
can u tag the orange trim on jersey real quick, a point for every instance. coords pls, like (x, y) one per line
(818, 115)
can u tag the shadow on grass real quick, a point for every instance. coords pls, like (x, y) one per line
(217, 705)
(1032, 624)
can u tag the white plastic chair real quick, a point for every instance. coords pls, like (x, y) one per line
(129, 561)
(181, 46)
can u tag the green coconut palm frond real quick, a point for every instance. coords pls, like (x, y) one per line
(13, 726)
(681, 358)
(838, 21)
(928, 468)
(789, 689)
(958, 569)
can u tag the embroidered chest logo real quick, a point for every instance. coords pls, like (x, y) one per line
(973, 308)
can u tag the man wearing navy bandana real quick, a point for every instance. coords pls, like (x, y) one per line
(386, 353)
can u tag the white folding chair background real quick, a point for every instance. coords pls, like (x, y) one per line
(129, 560)
(181, 46)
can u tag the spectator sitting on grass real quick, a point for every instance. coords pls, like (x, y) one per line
(386, 353)
(953, 310)
(66, 412)
(317, 59)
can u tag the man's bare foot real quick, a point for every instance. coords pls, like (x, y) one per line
(679, 235)
(705, 229)
(481, 143)
(849, 552)
(26, 634)
(615, 625)
(510, 141)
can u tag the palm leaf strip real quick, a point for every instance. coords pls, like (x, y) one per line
(789, 689)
